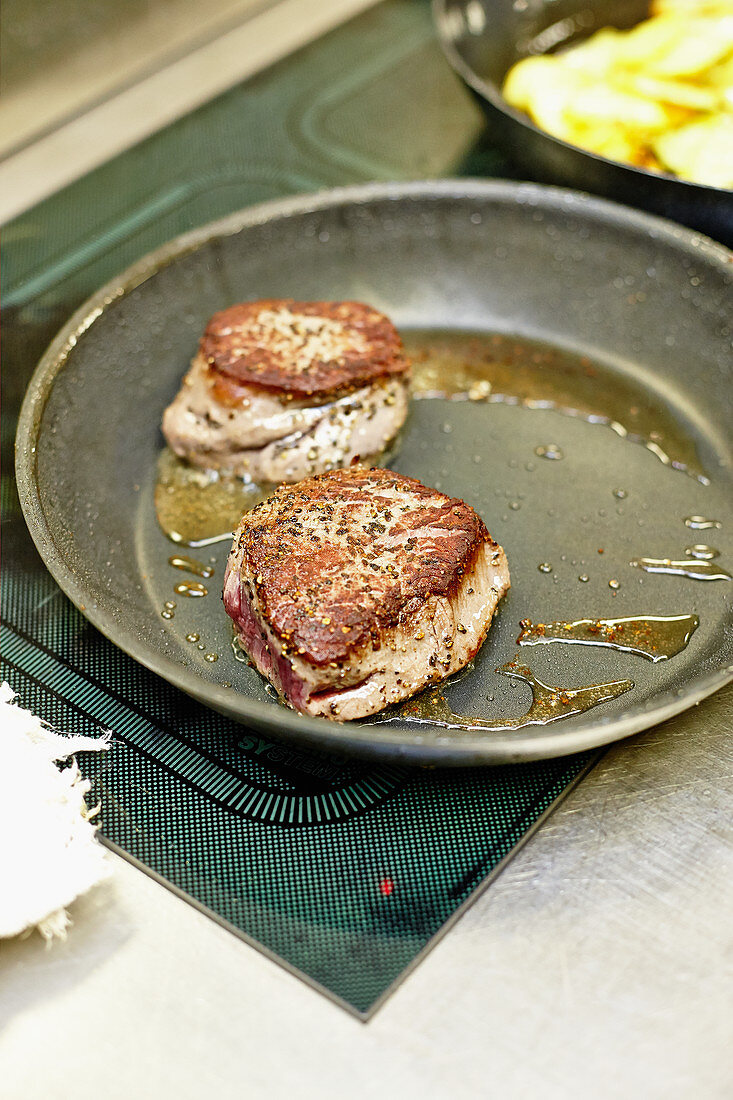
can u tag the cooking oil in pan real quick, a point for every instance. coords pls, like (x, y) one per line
(550, 451)
(699, 523)
(702, 552)
(191, 589)
(540, 376)
(698, 570)
(198, 508)
(549, 704)
(238, 652)
(191, 565)
(656, 637)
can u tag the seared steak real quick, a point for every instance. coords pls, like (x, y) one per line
(282, 389)
(357, 588)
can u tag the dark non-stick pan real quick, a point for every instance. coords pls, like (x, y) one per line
(597, 343)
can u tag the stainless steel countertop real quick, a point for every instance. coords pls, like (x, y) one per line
(600, 963)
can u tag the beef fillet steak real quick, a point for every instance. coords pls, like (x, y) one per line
(357, 588)
(280, 390)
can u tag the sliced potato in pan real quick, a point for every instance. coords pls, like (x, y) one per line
(659, 96)
(701, 152)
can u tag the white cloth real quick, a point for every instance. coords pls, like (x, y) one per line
(49, 853)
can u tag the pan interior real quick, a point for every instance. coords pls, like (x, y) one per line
(561, 358)
(572, 500)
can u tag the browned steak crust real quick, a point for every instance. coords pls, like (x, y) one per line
(304, 349)
(309, 548)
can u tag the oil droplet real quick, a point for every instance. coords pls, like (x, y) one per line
(192, 637)
(699, 523)
(237, 652)
(544, 567)
(166, 614)
(656, 637)
(620, 494)
(192, 589)
(689, 567)
(702, 552)
(614, 584)
(211, 657)
(190, 565)
(169, 605)
(201, 646)
(549, 450)
(549, 704)
(584, 578)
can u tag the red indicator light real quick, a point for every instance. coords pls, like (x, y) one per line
(386, 887)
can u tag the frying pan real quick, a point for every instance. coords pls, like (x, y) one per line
(643, 303)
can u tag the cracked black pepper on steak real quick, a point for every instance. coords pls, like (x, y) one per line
(280, 390)
(357, 588)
